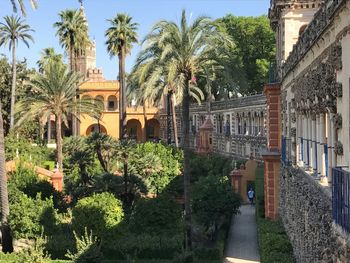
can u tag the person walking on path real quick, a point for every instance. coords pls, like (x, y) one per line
(251, 195)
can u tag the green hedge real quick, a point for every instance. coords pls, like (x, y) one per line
(215, 253)
(13, 258)
(274, 243)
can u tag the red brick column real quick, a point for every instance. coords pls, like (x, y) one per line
(236, 181)
(271, 183)
(273, 92)
(272, 155)
(57, 180)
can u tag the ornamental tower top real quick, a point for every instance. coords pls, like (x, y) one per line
(288, 19)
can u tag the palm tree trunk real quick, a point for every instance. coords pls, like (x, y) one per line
(168, 118)
(13, 88)
(122, 95)
(174, 119)
(186, 167)
(145, 120)
(4, 202)
(59, 141)
(72, 65)
(124, 89)
(71, 62)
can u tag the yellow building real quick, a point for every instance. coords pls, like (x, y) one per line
(141, 125)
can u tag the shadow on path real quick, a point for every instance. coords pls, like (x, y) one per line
(242, 242)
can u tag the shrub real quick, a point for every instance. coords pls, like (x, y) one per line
(30, 153)
(62, 240)
(99, 213)
(27, 181)
(273, 241)
(88, 249)
(160, 164)
(35, 254)
(213, 200)
(28, 216)
(158, 216)
(213, 164)
(143, 246)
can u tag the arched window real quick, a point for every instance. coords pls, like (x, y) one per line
(112, 103)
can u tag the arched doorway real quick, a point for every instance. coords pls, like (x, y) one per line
(96, 128)
(153, 129)
(133, 129)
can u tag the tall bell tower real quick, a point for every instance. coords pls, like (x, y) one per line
(87, 58)
(289, 18)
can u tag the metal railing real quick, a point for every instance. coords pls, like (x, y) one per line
(286, 151)
(341, 198)
(273, 73)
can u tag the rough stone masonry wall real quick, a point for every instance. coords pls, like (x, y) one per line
(306, 212)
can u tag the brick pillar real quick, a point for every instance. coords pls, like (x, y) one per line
(271, 183)
(236, 181)
(57, 180)
(272, 155)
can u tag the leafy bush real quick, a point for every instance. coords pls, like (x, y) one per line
(99, 213)
(34, 254)
(143, 246)
(80, 156)
(158, 216)
(28, 152)
(62, 240)
(27, 181)
(88, 249)
(28, 216)
(213, 201)
(160, 164)
(273, 241)
(212, 164)
(215, 252)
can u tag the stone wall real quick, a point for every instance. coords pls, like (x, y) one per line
(306, 212)
(230, 140)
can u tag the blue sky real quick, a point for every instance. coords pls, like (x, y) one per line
(144, 12)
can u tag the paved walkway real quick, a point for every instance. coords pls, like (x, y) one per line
(242, 242)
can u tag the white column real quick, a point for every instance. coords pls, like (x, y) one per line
(297, 138)
(318, 149)
(329, 144)
(322, 143)
(333, 140)
(304, 139)
(300, 129)
(312, 144)
(308, 144)
(300, 136)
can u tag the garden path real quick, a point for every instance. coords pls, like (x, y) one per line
(242, 242)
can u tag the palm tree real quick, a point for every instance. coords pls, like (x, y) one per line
(120, 37)
(55, 95)
(48, 55)
(11, 32)
(33, 3)
(4, 203)
(181, 48)
(149, 82)
(72, 31)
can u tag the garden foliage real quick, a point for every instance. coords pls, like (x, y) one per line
(99, 213)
